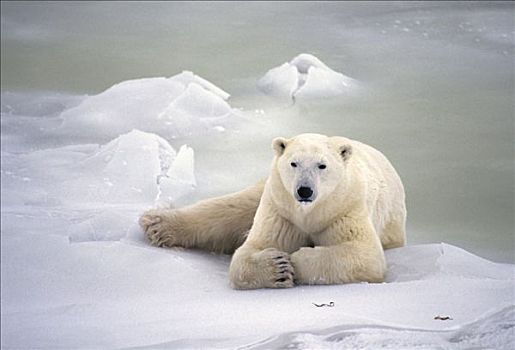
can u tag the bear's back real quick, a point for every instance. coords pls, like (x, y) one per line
(385, 197)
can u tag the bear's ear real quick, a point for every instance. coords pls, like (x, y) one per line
(345, 152)
(279, 145)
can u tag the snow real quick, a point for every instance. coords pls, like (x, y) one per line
(305, 76)
(128, 294)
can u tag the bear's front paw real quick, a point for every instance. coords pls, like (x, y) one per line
(306, 263)
(277, 268)
(161, 227)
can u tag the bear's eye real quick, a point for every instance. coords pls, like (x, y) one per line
(322, 166)
(293, 164)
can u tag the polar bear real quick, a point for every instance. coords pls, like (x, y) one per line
(323, 216)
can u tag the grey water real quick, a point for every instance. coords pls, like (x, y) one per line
(436, 89)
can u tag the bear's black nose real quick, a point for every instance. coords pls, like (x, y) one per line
(304, 192)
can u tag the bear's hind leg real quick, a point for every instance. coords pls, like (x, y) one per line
(218, 224)
(394, 234)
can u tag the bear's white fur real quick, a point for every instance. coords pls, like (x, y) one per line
(323, 216)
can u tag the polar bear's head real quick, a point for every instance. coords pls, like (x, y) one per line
(311, 166)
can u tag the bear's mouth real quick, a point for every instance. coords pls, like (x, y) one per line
(305, 201)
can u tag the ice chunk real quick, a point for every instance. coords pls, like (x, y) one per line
(138, 169)
(179, 180)
(182, 167)
(126, 170)
(131, 168)
(189, 110)
(182, 105)
(187, 77)
(280, 81)
(305, 76)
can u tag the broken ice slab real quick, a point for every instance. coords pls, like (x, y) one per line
(305, 76)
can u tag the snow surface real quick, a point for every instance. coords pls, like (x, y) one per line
(77, 272)
(305, 76)
(128, 294)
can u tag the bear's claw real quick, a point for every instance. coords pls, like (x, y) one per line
(148, 219)
(280, 267)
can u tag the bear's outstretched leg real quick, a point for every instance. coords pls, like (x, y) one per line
(218, 224)
(349, 251)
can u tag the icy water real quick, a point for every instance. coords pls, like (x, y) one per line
(436, 91)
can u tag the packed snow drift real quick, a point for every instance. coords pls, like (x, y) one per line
(305, 76)
(127, 294)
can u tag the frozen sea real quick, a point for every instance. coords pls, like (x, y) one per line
(99, 123)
